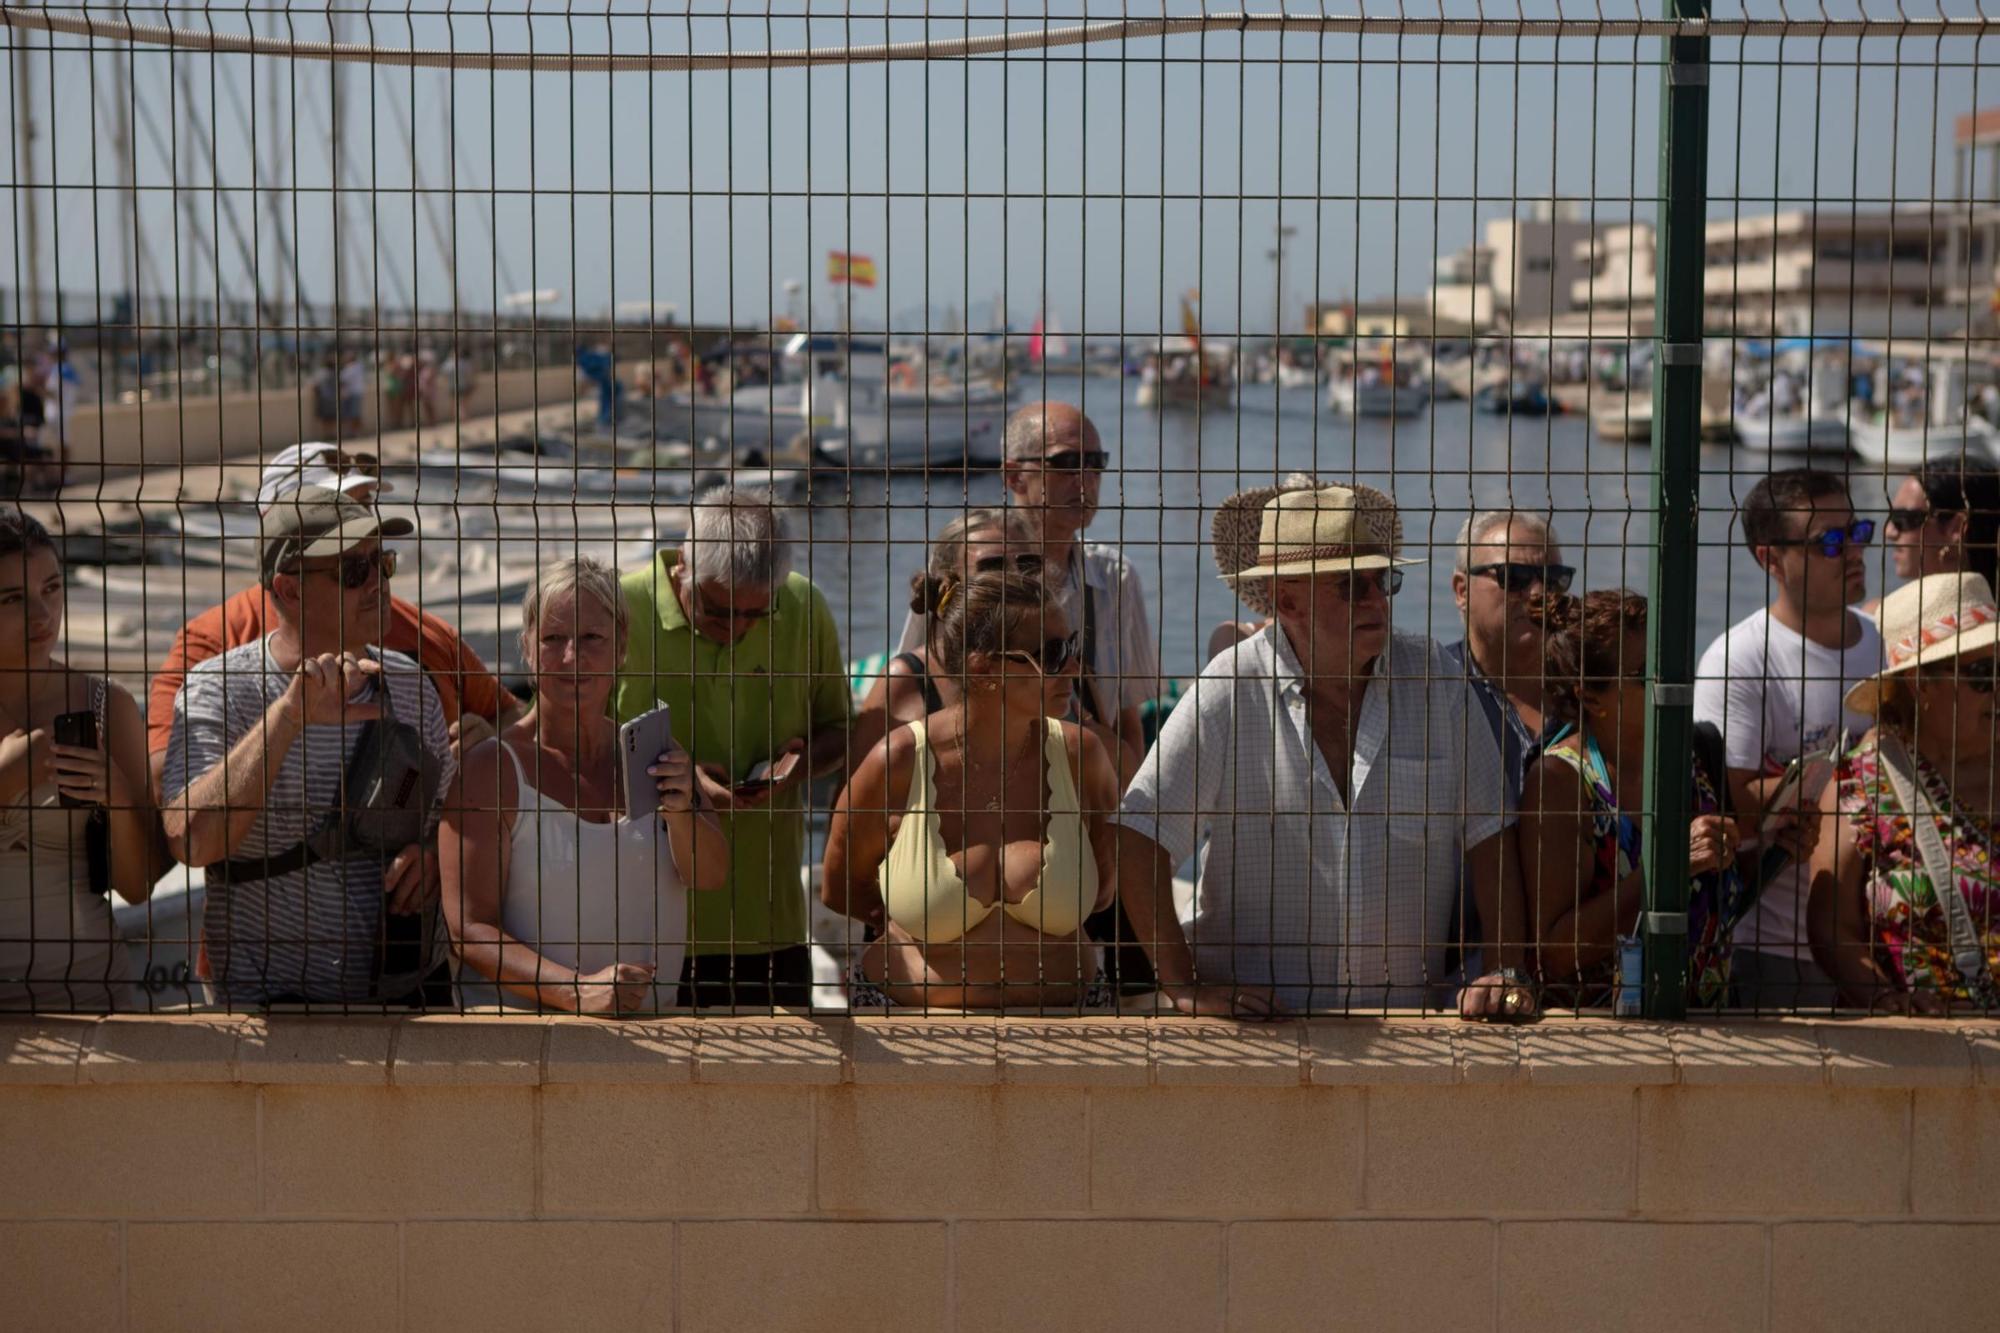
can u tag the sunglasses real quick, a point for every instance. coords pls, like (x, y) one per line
(1077, 460)
(1023, 563)
(1836, 540)
(1353, 587)
(1981, 674)
(1513, 577)
(734, 614)
(353, 570)
(1052, 659)
(1908, 520)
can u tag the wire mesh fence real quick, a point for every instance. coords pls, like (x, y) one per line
(1070, 511)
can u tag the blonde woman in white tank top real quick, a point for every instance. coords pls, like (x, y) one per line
(556, 897)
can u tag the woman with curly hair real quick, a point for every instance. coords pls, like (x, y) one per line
(1580, 840)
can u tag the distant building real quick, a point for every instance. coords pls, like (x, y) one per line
(1522, 273)
(1827, 272)
(1381, 319)
(1972, 235)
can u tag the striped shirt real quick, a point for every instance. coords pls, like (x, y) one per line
(315, 932)
(1332, 906)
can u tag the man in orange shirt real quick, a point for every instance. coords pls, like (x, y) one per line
(475, 702)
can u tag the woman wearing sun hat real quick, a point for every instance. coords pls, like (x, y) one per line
(1911, 811)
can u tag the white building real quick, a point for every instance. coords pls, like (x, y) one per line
(1523, 272)
(1828, 272)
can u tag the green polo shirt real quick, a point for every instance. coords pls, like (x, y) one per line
(733, 706)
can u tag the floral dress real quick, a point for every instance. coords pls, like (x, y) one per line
(1716, 900)
(1906, 922)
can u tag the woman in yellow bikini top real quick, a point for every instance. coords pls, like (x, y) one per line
(975, 839)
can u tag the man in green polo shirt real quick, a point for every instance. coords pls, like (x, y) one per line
(746, 654)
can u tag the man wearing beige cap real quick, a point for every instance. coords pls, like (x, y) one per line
(255, 772)
(1333, 777)
(475, 702)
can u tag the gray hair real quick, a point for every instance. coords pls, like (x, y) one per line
(582, 576)
(1484, 521)
(735, 537)
(1027, 430)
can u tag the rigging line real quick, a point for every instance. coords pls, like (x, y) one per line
(440, 235)
(274, 309)
(204, 139)
(998, 43)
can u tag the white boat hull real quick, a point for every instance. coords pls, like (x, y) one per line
(1377, 400)
(1879, 442)
(1781, 435)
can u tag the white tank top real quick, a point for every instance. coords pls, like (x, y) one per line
(587, 895)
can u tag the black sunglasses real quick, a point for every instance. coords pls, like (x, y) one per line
(1981, 674)
(1077, 460)
(734, 614)
(1052, 659)
(1515, 577)
(1836, 540)
(1353, 587)
(1908, 520)
(353, 570)
(1025, 562)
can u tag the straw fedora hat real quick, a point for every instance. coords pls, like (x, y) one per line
(1934, 619)
(1274, 531)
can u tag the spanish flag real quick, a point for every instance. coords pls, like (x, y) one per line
(855, 270)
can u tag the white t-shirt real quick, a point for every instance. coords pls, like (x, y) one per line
(1776, 695)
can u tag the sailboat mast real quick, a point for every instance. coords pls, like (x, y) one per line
(24, 176)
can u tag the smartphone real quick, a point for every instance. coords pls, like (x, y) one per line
(1803, 783)
(758, 778)
(80, 730)
(640, 744)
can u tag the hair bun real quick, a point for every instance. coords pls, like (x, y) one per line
(1554, 611)
(931, 593)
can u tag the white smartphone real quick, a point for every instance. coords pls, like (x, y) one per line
(640, 744)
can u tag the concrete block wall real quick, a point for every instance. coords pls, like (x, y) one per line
(181, 432)
(794, 1173)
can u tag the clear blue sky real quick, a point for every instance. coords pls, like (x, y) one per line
(1111, 177)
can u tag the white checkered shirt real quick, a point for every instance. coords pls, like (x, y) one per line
(1334, 908)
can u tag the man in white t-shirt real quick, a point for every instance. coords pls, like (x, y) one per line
(1774, 684)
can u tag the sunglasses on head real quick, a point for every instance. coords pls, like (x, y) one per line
(1513, 576)
(1353, 587)
(1024, 562)
(1836, 540)
(353, 570)
(1981, 674)
(1052, 659)
(1077, 460)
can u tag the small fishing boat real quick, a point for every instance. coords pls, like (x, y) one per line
(1388, 388)
(1185, 372)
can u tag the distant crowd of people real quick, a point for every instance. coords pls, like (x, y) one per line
(1374, 818)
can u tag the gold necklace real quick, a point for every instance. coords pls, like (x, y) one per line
(993, 803)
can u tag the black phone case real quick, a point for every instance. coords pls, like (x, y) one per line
(80, 730)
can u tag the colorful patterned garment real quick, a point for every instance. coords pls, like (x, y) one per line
(1716, 900)
(1904, 915)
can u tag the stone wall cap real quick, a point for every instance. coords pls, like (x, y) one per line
(494, 1050)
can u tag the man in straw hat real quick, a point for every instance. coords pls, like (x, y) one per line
(256, 762)
(1877, 920)
(1773, 684)
(1334, 777)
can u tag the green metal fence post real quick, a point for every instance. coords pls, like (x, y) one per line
(1676, 492)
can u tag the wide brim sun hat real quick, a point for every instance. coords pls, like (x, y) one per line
(1272, 531)
(1933, 619)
